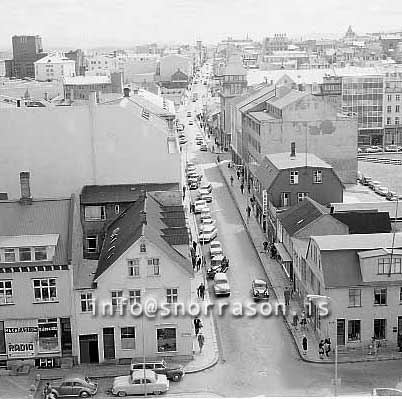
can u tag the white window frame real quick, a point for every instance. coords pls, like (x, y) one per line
(153, 267)
(22, 249)
(40, 250)
(88, 239)
(172, 295)
(134, 296)
(87, 301)
(131, 345)
(43, 288)
(133, 266)
(6, 298)
(9, 251)
(317, 176)
(102, 213)
(389, 109)
(294, 177)
(117, 299)
(301, 196)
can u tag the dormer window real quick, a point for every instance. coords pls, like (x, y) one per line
(143, 248)
(25, 254)
(40, 253)
(9, 255)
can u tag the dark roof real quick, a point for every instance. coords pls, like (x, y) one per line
(266, 173)
(179, 76)
(146, 217)
(299, 216)
(121, 192)
(365, 222)
(48, 216)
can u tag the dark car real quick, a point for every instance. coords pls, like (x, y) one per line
(172, 372)
(80, 387)
(259, 290)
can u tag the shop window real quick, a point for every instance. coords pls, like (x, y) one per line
(48, 335)
(166, 339)
(354, 330)
(380, 328)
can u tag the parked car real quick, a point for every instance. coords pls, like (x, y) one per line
(359, 150)
(221, 284)
(193, 174)
(190, 122)
(199, 136)
(259, 290)
(203, 147)
(366, 180)
(215, 248)
(172, 372)
(381, 190)
(205, 195)
(180, 127)
(206, 186)
(189, 114)
(182, 140)
(189, 164)
(199, 205)
(374, 183)
(386, 392)
(139, 383)
(207, 234)
(192, 184)
(80, 387)
(208, 221)
(205, 214)
(217, 266)
(373, 149)
(393, 196)
(191, 168)
(199, 141)
(393, 148)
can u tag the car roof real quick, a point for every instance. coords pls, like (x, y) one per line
(258, 281)
(199, 201)
(207, 228)
(74, 378)
(217, 257)
(219, 276)
(140, 374)
(215, 242)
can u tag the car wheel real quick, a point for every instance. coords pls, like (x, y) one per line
(121, 394)
(84, 394)
(176, 377)
(157, 392)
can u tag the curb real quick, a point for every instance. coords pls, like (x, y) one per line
(286, 322)
(210, 365)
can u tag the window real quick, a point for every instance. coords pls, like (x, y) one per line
(317, 176)
(9, 255)
(354, 330)
(397, 97)
(384, 266)
(134, 267)
(2, 338)
(380, 296)
(92, 244)
(301, 196)
(143, 248)
(127, 337)
(166, 339)
(134, 296)
(117, 300)
(116, 209)
(388, 121)
(171, 295)
(48, 335)
(379, 328)
(397, 120)
(45, 290)
(86, 302)
(294, 177)
(389, 97)
(153, 267)
(285, 199)
(400, 295)
(389, 109)
(25, 254)
(396, 108)
(40, 253)
(6, 292)
(95, 213)
(355, 297)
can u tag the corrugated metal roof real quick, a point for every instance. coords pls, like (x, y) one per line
(41, 217)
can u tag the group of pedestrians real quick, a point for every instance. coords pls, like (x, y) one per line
(199, 332)
(324, 347)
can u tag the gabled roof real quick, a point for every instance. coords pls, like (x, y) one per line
(256, 98)
(116, 193)
(145, 218)
(179, 76)
(301, 215)
(42, 217)
(289, 98)
(365, 222)
(266, 173)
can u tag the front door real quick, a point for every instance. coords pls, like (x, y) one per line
(108, 343)
(285, 200)
(89, 349)
(66, 343)
(340, 332)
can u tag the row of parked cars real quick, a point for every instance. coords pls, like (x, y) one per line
(379, 188)
(375, 148)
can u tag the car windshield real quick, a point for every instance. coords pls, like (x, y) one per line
(221, 281)
(260, 285)
(215, 246)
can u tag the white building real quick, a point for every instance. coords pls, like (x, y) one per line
(54, 67)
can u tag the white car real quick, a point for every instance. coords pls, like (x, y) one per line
(387, 392)
(193, 174)
(205, 214)
(221, 284)
(207, 221)
(190, 122)
(205, 195)
(215, 248)
(207, 234)
(199, 205)
(382, 190)
(206, 186)
(139, 383)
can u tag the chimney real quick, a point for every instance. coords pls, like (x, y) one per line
(293, 150)
(26, 197)
(126, 92)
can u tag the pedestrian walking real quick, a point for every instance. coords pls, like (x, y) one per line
(286, 294)
(242, 188)
(195, 246)
(295, 320)
(47, 391)
(194, 262)
(248, 212)
(197, 325)
(238, 174)
(321, 349)
(201, 291)
(327, 346)
(248, 188)
(213, 148)
(199, 264)
(218, 160)
(265, 246)
(231, 180)
(303, 320)
(184, 192)
(201, 341)
(273, 251)
(304, 344)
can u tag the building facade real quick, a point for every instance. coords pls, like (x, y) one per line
(54, 67)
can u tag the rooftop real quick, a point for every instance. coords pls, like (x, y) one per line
(55, 59)
(262, 116)
(283, 160)
(86, 80)
(365, 222)
(286, 98)
(383, 206)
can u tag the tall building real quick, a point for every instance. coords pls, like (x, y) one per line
(54, 67)
(26, 50)
(392, 108)
(79, 58)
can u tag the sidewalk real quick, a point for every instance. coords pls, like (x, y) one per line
(279, 281)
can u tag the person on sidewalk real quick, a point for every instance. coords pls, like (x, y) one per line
(201, 341)
(248, 187)
(47, 391)
(213, 148)
(248, 212)
(184, 192)
(327, 346)
(231, 180)
(201, 291)
(238, 174)
(321, 349)
(242, 188)
(265, 246)
(304, 345)
(286, 294)
(197, 325)
(195, 246)
(303, 320)
(194, 262)
(199, 264)
(218, 160)
(295, 320)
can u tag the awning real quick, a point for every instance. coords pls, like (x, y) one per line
(283, 253)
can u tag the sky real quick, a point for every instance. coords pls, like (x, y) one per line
(102, 23)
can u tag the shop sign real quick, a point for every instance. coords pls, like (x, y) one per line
(21, 350)
(21, 337)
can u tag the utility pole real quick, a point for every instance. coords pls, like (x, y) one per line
(393, 237)
(336, 370)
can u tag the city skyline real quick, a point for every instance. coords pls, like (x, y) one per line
(89, 24)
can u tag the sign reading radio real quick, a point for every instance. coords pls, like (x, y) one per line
(21, 338)
(21, 350)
